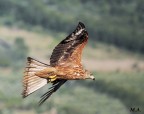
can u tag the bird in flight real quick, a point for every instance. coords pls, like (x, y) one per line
(65, 64)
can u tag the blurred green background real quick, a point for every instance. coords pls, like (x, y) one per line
(115, 54)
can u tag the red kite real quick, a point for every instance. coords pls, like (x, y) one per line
(65, 64)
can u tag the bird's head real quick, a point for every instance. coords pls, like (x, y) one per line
(89, 75)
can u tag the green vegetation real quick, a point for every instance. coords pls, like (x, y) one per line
(113, 92)
(118, 22)
(21, 49)
(13, 55)
(34, 27)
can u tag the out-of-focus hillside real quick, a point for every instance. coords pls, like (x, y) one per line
(118, 22)
(114, 90)
(101, 57)
(114, 54)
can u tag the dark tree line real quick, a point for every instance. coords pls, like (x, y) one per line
(118, 22)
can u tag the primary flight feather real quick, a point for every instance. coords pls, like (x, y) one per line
(65, 64)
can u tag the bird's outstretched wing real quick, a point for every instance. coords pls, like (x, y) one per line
(56, 85)
(70, 49)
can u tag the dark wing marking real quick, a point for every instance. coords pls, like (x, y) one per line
(56, 85)
(66, 47)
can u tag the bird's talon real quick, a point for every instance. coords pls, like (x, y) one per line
(52, 78)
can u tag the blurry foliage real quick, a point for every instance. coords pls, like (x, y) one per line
(14, 55)
(120, 22)
(5, 52)
(5, 60)
(120, 86)
(20, 49)
(108, 94)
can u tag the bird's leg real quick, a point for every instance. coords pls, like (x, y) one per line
(52, 78)
(45, 73)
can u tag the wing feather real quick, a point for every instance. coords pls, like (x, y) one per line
(67, 51)
(64, 50)
(56, 85)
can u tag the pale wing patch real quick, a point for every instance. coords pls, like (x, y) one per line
(79, 32)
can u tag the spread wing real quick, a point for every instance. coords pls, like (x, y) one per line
(67, 51)
(56, 85)
(70, 49)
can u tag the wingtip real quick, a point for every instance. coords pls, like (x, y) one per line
(81, 24)
(29, 58)
(79, 29)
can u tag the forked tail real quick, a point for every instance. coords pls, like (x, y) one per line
(31, 81)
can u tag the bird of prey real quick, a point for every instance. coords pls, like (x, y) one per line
(65, 64)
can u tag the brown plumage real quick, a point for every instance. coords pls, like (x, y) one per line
(65, 64)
